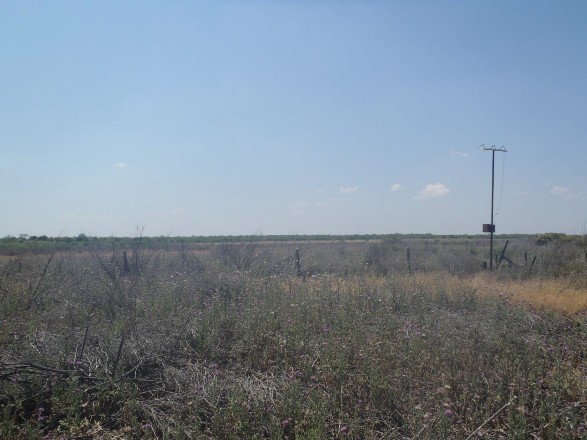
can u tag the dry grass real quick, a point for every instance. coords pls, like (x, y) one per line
(559, 295)
(212, 351)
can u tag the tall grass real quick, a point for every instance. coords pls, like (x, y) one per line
(231, 345)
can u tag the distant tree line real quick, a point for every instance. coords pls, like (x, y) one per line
(11, 244)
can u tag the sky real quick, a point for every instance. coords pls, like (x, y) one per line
(186, 118)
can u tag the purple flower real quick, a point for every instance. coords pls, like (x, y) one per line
(344, 429)
(449, 412)
(285, 423)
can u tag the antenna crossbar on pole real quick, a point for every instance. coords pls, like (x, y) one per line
(494, 148)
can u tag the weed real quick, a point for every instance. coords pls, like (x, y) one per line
(230, 344)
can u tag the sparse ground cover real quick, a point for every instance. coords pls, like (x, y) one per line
(228, 343)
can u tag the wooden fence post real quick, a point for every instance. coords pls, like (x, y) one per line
(298, 267)
(409, 258)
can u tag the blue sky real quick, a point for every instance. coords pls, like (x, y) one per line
(284, 117)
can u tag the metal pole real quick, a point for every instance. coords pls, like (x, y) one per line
(493, 149)
(492, 190)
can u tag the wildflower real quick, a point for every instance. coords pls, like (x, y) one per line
(285, 423)
(449, 412)
(344, 429)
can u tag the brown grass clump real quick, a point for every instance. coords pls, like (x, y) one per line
(558, 295)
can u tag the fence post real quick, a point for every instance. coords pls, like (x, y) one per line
(125, 265)
(409, 258)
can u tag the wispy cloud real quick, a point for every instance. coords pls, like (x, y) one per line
(121, 165)
(179, 211)
(433, 190)
(73, 215)
(564, 191)
(300, 207)
(86, 215)
(349, 189)
(395, 187)
(455, 153)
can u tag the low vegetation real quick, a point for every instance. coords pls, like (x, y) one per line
(228, 341)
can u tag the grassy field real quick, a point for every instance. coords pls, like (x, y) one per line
(229, 341)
